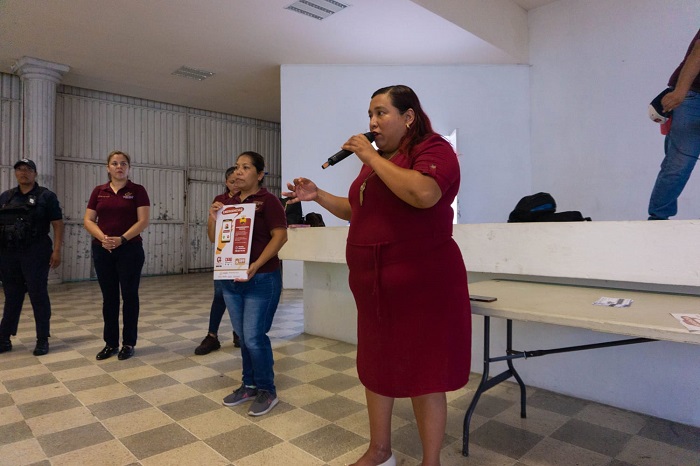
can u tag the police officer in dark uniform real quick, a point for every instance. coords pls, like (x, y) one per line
(26, 253)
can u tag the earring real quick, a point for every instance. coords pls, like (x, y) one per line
(408, 126)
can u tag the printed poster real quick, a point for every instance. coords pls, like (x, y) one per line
(234, 234)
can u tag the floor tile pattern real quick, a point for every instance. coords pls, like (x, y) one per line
(163, 406)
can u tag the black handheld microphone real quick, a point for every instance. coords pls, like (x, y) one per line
(343, 154)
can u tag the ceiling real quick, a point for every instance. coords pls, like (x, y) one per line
(132, 47)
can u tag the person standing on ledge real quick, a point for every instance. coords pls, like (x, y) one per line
(407, 274)
(682, 144)
(26, 253)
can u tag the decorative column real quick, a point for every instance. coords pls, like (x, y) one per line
(39, 80)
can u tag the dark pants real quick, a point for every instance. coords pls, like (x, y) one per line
(120, 268)
(218, 307)
(26, 271)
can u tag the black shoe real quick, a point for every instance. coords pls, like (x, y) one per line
(5, 345)
(207, 345)
(125, 353)
(107, 352)
(236, 340)
(42, 346)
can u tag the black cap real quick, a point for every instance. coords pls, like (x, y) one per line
(26, 162)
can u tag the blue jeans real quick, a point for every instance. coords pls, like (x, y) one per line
(682, 147)
(119, 270)
(252, 307)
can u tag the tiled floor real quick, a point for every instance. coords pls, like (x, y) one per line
(163, 407)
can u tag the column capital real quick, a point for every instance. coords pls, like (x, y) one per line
(34, 68)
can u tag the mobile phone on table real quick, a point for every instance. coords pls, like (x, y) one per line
(482, 299)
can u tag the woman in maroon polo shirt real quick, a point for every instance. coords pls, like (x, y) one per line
(252, 302)
(116, 214)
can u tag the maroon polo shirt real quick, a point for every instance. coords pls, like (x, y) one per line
(223, 198)
(269, 214)
(116, 212)
(673, 80)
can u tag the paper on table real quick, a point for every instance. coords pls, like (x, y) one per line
(689, 321)
(613, 302)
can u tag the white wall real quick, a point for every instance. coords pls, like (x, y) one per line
(322, 106)
(596, 64)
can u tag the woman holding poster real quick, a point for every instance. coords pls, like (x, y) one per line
(407, 274)
(252, 301)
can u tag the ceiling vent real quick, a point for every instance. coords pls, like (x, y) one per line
(192, 73)
(317, 9)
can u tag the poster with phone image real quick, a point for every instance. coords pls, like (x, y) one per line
(234, 233)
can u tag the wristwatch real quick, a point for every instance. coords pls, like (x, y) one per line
(124, 240)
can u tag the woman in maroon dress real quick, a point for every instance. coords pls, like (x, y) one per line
(407, 274)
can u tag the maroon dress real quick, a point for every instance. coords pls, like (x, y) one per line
(409, 282)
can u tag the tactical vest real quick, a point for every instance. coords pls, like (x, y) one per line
(18, 227)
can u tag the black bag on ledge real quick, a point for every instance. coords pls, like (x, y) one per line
(541, 207)
(293, 212)
(314, 220)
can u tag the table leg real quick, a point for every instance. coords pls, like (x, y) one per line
(487, 383)
(509, 350)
